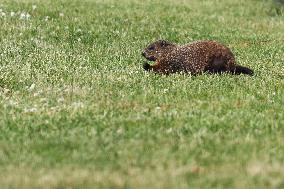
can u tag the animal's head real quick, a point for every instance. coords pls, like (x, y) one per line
(157, 50)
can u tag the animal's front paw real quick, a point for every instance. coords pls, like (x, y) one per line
(146, 66)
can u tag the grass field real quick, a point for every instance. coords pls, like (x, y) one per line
(78, 111)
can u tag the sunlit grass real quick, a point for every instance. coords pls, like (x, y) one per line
(78, 111)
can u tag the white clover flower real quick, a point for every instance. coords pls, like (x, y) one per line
(32, 87)
(28, 16)
(169, 130)
(53, 108)
(5, 91)
(43, 100)
(36, 94)
(12, 14)
(13, 103)
(34, 7)
(3, 14)
(61, 14)
(30, 110)
(46, 18)
(24, 16)
(60, 99)
(119, 131)
(77, 104)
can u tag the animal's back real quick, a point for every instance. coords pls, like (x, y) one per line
(198, 56)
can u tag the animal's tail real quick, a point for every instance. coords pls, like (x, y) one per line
(242, 70)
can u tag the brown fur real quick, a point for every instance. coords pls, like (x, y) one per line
(194, 58)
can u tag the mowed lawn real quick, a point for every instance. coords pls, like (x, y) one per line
(78, 111)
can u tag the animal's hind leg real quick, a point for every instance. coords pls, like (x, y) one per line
(217, 65)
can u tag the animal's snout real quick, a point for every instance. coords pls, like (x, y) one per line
(143, 53)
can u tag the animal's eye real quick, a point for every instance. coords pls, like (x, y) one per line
(151, 48)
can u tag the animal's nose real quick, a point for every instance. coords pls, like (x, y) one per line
(143, 53)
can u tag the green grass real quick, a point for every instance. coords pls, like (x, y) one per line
(78, 111)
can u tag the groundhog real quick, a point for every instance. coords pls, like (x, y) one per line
(194, 58)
